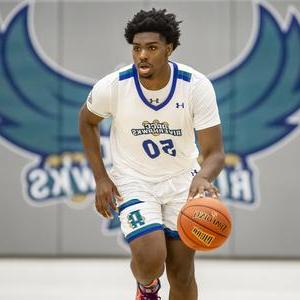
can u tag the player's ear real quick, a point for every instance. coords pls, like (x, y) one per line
(169, 49)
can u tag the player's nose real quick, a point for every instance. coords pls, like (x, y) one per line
(143, 55)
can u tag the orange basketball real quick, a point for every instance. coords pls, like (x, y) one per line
(204, 224)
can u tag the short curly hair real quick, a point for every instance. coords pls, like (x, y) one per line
(154, 21)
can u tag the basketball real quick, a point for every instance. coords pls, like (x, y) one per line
(204, 224)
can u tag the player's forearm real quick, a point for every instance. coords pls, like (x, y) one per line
(212, 165)
(91, 143)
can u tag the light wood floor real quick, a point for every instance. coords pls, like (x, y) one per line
(110, 279)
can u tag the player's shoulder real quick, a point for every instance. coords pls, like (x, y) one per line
(125, 72)
(112, 79)
(195, 77)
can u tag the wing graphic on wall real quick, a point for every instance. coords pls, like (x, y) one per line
(38, 106)
(257, 96)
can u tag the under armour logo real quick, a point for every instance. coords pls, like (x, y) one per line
(154, 100)
(194, 172)
(178, 105)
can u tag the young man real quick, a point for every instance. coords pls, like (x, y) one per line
(155, 106)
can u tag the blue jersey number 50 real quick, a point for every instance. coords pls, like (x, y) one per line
(152, 149)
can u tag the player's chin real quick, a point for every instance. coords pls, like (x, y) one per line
(145, 75)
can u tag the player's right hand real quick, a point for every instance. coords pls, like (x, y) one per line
(105, 195)
(201, 187)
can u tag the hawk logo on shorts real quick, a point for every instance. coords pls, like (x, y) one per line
(135, 219)
(38, 112)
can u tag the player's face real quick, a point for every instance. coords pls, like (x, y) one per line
(150, 53)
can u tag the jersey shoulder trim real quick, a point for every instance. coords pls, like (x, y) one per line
(189, 74)
(126, 74)
(186, 76)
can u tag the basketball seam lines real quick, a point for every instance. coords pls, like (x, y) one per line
(229, 221)
(204, 226)
(187, 236)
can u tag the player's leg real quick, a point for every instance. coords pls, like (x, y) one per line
(180, 258)
(141, 223)
(148, 256)
(180, 271)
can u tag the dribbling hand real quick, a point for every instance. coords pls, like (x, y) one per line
(201, 187)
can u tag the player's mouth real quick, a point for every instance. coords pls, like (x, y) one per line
(144, 68)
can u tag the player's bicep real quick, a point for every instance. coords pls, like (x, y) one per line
(88, 117)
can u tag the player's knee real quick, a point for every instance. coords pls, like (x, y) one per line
(150, 261)
(149, 253)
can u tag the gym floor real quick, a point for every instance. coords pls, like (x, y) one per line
(110, 279)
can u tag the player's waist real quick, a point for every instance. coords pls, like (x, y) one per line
(149, 174)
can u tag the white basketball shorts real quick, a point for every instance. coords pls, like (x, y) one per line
(148, 206)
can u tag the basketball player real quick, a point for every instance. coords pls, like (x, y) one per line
(155, 105)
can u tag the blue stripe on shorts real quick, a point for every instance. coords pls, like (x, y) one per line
(142, 231)
(171, 233)
(129, 203)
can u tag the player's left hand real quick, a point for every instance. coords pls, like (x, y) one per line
(201, 187)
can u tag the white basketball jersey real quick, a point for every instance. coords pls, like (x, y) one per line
(154, 138)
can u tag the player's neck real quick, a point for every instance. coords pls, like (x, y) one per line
(159, 81)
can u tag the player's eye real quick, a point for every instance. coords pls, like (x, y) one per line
(153, 48)
(136, 48)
